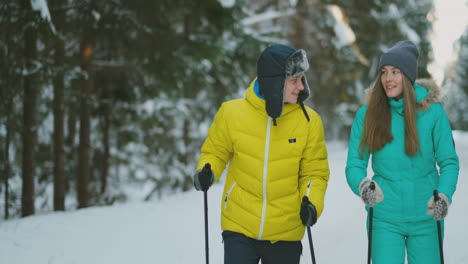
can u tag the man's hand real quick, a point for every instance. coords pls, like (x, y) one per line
(308, 212)
(203, 178)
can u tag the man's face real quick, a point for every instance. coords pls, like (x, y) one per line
(292, 87)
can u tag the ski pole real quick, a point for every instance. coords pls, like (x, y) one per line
(309, 233)
(205, 197)
(439, 231)
(371, 216)
(311, 245)
(206, 169)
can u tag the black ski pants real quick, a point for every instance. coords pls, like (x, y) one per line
(240, 249)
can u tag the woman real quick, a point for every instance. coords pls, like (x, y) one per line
(405, 130)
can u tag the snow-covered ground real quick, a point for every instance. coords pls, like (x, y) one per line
(171, 230)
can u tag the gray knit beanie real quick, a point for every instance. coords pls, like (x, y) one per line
(404, 56)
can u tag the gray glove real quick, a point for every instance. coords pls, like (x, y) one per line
(370, 196)
(438, 209)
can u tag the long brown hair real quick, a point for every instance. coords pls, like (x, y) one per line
(377, 123)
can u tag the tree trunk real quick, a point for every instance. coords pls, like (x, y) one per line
(106, 130)
(7, 101)
(84, 148)
(58, 108)
(298, 30)
(29, 124)
(186, 156)
(6, 156)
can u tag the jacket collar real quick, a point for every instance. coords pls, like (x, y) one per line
(253, 96)
(427, 93)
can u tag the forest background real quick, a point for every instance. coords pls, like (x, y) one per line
(102, 98)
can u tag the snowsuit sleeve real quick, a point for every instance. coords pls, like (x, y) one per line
(314, 165)
(356, 164)
(446, 157)
(217, 147)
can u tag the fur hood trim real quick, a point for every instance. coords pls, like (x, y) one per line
(433, 96)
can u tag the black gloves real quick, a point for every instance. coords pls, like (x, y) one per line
(203, 178)
(308, 212)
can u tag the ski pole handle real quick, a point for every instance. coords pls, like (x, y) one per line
(207, 168)
(372, 186)
(436, 196)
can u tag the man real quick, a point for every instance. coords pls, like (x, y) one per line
(277, 153)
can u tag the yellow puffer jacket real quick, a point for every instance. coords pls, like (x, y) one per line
(270, 166)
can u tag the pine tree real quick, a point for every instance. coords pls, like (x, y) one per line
(462, 63)
(455, 83)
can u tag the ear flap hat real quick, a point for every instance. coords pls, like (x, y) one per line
(276, 63)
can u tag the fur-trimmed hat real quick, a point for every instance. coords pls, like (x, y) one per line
(404, 56)
(275, 64)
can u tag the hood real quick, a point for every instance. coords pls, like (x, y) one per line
(432, 93)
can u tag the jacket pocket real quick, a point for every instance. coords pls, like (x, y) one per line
(226, 198)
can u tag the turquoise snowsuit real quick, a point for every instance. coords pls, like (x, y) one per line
(401, 220)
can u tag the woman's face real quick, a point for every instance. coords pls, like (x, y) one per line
(392, 82)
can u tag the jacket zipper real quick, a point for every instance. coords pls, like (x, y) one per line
(265, 173)
(308, 188)
(227, 194)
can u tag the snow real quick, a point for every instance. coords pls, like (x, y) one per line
(227, 3)
(42, 7)
(344, 34)
(171, 230)
(409, 32)
(267, 16)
